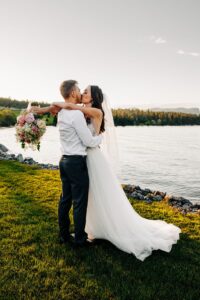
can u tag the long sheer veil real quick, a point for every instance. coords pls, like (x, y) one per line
(109, 144)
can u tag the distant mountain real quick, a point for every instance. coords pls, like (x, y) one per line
(192, 110)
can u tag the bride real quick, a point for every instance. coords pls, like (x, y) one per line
(110, 215)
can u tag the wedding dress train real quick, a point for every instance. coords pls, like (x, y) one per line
(110, 215)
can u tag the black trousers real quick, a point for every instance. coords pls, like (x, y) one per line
(75, 187)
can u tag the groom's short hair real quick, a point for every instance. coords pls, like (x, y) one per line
(66, 87)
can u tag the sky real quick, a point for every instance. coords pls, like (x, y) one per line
(142, 53)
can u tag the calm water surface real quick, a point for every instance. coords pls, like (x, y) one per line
(161, 158)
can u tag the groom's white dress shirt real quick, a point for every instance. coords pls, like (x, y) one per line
(75, 136)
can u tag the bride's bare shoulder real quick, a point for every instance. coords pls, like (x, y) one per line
(92, 112)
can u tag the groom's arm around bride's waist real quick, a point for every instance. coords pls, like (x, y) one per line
(83, 131)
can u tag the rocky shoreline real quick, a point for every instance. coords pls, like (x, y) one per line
(149, 196)
(182, 204)
(6, 155)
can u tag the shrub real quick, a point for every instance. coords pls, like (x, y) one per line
(7, 118)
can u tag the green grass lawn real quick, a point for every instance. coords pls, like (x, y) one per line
(35, 266)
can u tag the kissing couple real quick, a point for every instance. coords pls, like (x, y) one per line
(101, 209)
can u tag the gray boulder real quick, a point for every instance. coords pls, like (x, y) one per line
(146, 191)
(140, 196)
(173, 200)
(137, 195)
(8, 157)
(29, 160)
(2, 154)
(19, 157)
(148, 201)
(3, 148)
(128, 188)
(138, 188)
(157, 198)
(134, 194)
(158, 193)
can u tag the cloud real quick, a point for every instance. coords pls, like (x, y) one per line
(157, 40)
(160, 41)
(194, 53)
(181, 52)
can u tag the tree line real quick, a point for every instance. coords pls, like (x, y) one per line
(122, 117)
(13, 103)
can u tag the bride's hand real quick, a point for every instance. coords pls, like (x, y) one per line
(43, 110)
(35, 109)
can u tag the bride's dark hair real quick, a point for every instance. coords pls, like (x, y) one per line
(97, 101)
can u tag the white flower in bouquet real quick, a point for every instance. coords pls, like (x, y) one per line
(41, 124)
(29, 130)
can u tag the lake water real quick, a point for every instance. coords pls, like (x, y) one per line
(161, 158)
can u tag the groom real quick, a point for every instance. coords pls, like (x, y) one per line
(75, 137)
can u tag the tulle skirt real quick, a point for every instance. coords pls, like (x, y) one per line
(110, 215)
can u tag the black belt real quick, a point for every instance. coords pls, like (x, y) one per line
(68, 156)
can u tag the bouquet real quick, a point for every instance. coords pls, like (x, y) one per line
(29, 129)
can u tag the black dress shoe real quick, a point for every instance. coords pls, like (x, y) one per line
(86, 243)
(66, 240)
(95, 241)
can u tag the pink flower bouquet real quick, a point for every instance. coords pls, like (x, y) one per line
(29, 130)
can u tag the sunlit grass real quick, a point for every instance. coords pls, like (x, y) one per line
(35, 266)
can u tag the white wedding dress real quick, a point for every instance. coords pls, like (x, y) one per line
(110, 215)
